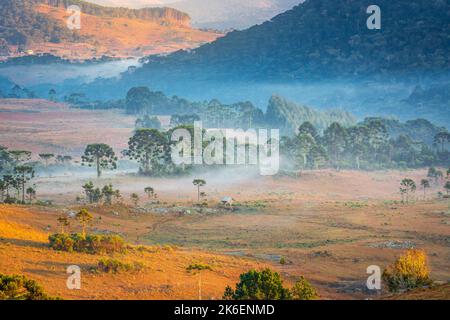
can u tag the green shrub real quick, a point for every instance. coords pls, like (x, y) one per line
(283, 261)
(303, 290)
(89, 244)
(198, 267)
(255, 285)
(117, 266)
(17, 287)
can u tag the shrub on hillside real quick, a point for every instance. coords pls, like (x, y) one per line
(408, 272)
(89, 244)
(255, 285)
(117, 266)
(267, 285)
(15, 287)
(303, 290)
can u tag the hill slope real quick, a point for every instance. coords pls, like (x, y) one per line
(325, 38)
(41, 25)
(24, 250)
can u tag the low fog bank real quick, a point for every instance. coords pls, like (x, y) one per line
(50, 74)
(65, 185)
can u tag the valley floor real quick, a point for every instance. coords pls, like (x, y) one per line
(328, 226)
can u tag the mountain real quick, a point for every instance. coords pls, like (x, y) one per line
(323, 38)
(216, 14)
(40, 25)
(232, 14)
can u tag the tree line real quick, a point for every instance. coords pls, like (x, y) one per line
(367, 145)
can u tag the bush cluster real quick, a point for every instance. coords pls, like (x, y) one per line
(268, 285)
(16, 287)
(89, 244)
(408, 272)
(117, 266)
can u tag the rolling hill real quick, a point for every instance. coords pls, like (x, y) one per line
(40, 25)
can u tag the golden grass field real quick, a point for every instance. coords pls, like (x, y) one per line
(328, 225)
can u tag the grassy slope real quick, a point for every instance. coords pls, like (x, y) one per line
(122, 37)
(23, 250)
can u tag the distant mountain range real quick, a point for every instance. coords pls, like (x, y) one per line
(40, 25)
(216, 14)
(232, 14)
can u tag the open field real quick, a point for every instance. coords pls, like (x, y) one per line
(43, 126)
(328, 225)
(23, 250)
(329, 234)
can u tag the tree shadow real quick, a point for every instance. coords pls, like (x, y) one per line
(24, 243)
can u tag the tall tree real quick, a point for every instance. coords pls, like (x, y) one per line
(358, 143)
(199, 183)
(335, 137)
(150, 148)
(6, 161)
(101, 155)
(20, 155)
(46, 157)
(24, 174)
(425, 183)
(84, 218)
(305, 143)
(447, 187)
(407, 186)
(441, 139)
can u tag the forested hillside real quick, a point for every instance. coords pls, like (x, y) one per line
(324, 38)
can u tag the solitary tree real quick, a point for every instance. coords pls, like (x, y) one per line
(24, 174)
(46, 157)
(150, 192)
(303, 290)
(31, 194)
(425, 183)
(84, 218)
(2, 190)
(407, 186)
(63, 222)
(109, 193)
(199, 183)
(447, 187)
(101, 155)
(20, 155)
(198, 269)
(149, 147)
(135, 199)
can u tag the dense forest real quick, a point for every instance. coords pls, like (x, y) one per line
(323, 38)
